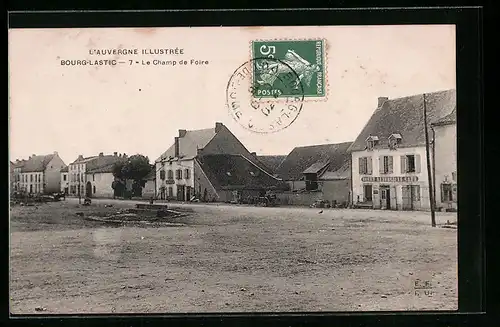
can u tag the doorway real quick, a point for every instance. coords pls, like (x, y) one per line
(385, 197)
(367, 193)
(88, 190)
(180, 193)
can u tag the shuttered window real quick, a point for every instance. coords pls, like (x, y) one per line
(365, 165)
(386, 164)
(446, 193)
(162, 174)
(186, 173)
(170, 174)
(411, 163)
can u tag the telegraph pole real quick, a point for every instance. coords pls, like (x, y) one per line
(429, 177)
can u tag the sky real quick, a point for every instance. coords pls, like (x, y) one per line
(139, 109)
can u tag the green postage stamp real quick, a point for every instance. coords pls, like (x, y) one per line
(305, 57)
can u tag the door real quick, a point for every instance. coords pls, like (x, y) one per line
(188, 193)
(385, 197)
(180, 192)
(367, 193)
(88, 191)
(407, 197)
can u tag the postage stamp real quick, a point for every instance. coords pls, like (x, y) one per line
(286, 96)
(306, 57)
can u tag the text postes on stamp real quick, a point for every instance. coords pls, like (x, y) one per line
(282, 107)
(305, 57)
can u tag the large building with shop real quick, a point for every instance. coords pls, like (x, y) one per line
(389, 162)
(207, 164)
(445, 159)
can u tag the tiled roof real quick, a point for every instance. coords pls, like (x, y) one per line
(448, 119)
(271, 162)
(103, 164)
(84, 160)
(227, 171)
(65, 169)
(405, 116)
(301, 158)
(343, 173)
(316, 167)
(190, 143)
(37, 163)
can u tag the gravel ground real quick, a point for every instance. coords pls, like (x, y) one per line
(230, 259)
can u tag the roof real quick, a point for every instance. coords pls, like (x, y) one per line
(37, 163)
(405, 116)
(190, 143)
(271, 162)
(64, 170)
(448, 119)
(100, 164)
(234, 171)
(302, 158)
(343, 172)
(316, 167)
(84, 160)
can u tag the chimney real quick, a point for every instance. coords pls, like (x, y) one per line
(218, 127)
(254, 154)
(33, 155)
(55, 152)
(182, 132)
(176, 145)
(381, 101)
(101, 154)
(124, 155)
(115, 153)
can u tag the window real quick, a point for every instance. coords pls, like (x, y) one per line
(371, 142)
(170, 174)
(64, 177)
(31, 178)
(365, 165)
(94, 189)
(410, 163)
(93, 179)
(78, 177)
(162, 174)
(446, 193)
(385, 164)
(178, 173)
(454, 176)
(170, 191)
(394, 140)
(186, 173)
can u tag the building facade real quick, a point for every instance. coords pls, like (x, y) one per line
(92, 176)
(41, 174)
(179, 174)
(389, 162)
(445, 158)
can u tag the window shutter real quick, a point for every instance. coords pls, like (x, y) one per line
(442, 193)
(381, 164)
(454, 192)
(417, 163)
(403, 164)
(369, 165)
(391, 164)
(180, 173)
(360, 162)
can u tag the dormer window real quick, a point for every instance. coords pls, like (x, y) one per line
(371, 142)
(395, 140)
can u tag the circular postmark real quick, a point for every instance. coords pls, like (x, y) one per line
(264, 95)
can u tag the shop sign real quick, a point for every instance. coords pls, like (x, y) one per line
(392, 179)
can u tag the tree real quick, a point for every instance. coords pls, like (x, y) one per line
(135, 168)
